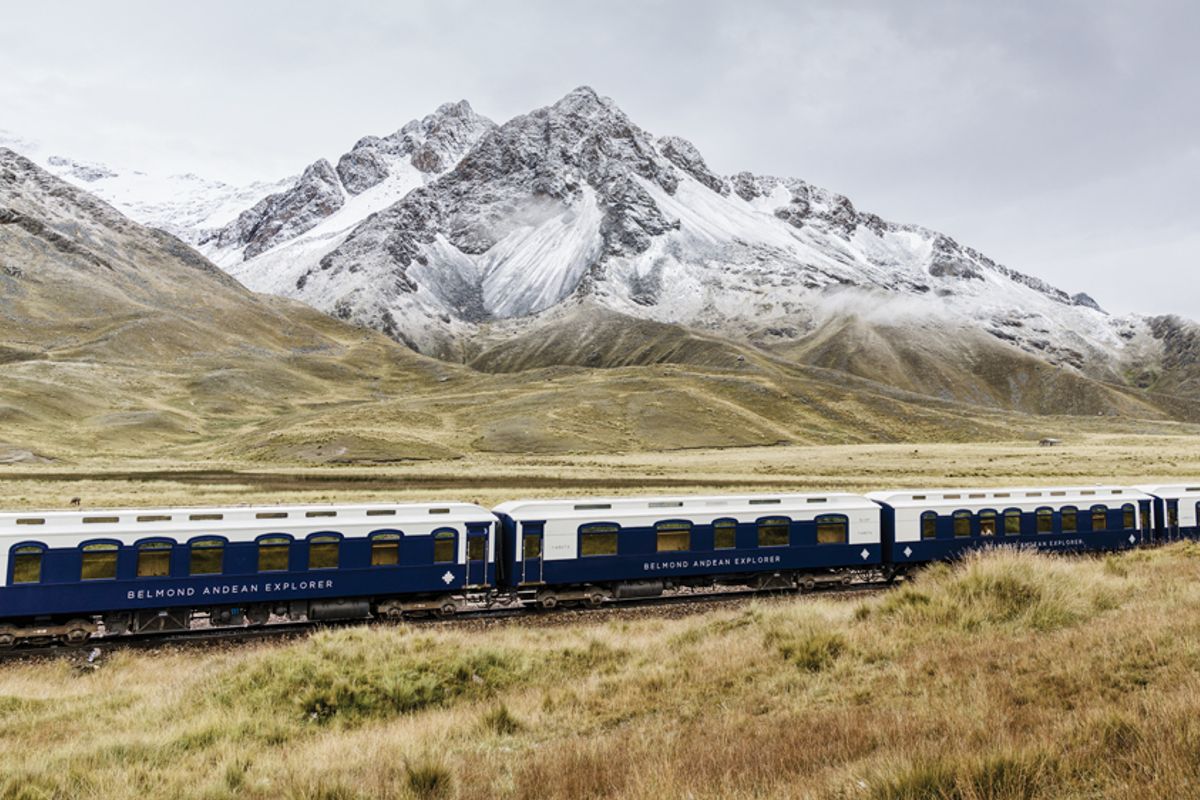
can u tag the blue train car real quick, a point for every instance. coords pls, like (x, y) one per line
(1176, 511)
(591, 549)
(938, 524)
(64, 573)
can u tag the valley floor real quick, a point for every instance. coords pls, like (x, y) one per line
(489, 479)
(1012, 675)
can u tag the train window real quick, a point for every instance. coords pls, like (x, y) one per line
(1045, 520)
(1099, 518)
(531, 546)
(962, 524)
(207, 557)
(1070, 523)
(476, 548)
(987, 523)
(27, 564)
(323, 552)
(1129, 516)
(205, 517)
(1012, 522)
(154, 559)
(381, 512)
(774, 532)
(31, 521)
(673, 536)
(724, 534)
(385, 549)
(99, 562)
(598, 540)
(929, 525)
(833, 529)
(273, 553)
(445, 547)
(271, 515)
(154, 518)
(1172, 515)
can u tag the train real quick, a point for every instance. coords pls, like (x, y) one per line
(69, 576)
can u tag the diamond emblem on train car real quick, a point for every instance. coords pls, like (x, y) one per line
(1132, 539)
(865, 554)
(448, 578)
(907, 552)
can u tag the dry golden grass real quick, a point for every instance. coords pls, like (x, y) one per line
(486, 478)
(1009, 676)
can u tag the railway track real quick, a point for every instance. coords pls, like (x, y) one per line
(93, 651)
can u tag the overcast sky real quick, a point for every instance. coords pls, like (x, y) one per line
(1062, 139)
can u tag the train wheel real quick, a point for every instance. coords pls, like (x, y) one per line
(77, 632)
(548, 601)
(448, 609)
(8, 637)
(595, 599)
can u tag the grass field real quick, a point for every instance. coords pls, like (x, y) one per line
(1009, 676)
(491, 478)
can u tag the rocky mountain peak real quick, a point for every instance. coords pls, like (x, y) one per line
(284, 215)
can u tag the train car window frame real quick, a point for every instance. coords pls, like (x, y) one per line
(154, 558)
(99, 557)
(1012, 515)
(274, 548)
(1129, 516)
(1099, 511)
(670, 534)
(1044, 515)
(833, 529)
(962, 523)
(773, 531)
(383, 542)
(445, 546)
(599, 539)
(988, 522)
(19, 557)
(324, 550)
(724, 534)
(209, 548)
(1068, 513)
(929, 521)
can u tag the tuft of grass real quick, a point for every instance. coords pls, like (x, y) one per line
(428, 780)
(988, 777)
(810, 649)
(355, 675)
(1006, 589)
(500, 720)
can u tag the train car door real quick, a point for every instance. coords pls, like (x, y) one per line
(477, 551)
(532, 535)
(1172, 520)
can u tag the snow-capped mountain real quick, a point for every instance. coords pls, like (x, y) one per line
(454, 234)
(185, 205)
(315, 212)
(574, 203)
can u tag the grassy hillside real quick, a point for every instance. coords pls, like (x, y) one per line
(1010, 676)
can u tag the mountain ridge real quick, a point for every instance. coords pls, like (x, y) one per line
(573, 203)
